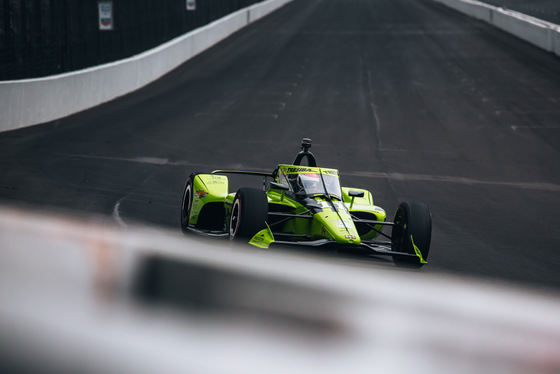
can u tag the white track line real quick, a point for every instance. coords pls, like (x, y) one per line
(117, 215)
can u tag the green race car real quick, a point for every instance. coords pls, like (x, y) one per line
(304, 205)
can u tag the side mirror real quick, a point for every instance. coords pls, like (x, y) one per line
(281, 187)
(354, 193)
(278, 186)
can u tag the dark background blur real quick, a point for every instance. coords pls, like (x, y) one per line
(46, 37)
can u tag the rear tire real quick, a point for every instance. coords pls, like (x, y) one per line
(412, 220)
(186, 203)
(248, 213)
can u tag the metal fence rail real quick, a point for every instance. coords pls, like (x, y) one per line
(47, 37)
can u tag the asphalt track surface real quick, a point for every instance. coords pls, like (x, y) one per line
(409, 99)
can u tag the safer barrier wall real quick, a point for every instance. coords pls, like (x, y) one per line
(477, 10)
(525, 28)
(43, 38)
(30, 102)
(540, 33)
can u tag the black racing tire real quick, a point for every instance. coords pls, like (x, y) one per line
(186, 203)
(248, 213)
(412, 219)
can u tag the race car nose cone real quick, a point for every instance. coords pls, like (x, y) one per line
(340, 228)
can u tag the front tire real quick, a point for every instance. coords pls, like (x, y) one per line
(186, 203)
(248, 213)
(413, 227)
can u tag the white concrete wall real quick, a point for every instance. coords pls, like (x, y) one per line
(30, 102)
(33, 101)
(526, 28)
(258, 11)
(474, 9)
(70, 286)
(540, 33)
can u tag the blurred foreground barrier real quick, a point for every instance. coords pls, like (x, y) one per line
(82, 297)
(33, 101)
(540, 33)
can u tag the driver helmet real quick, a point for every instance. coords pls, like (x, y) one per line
(311, 182)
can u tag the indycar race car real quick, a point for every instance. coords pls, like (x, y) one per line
(304, 205)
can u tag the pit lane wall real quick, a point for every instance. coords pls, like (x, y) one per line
(540, 33)
(33, 101)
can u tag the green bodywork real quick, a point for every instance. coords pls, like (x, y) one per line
(305, 206)
(417, 251)
(208, 189)
(324, 209)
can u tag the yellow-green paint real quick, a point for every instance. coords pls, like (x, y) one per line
(207, 188)
(339, 226)
(417, 250)
(263, 239)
